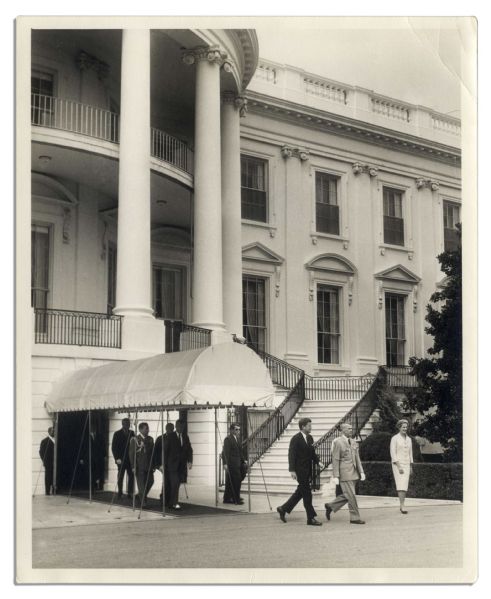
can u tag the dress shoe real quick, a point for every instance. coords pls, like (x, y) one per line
(314, 522)
(228, 501)
(403, 511)
(176, 507)
(357, 521)
(282, 514)
(328, 511)
(240, 502)
(120, 495)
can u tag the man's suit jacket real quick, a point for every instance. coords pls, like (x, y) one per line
(302, 456)
(47, 452)
(346, 463)
(120, 445)
(232, 453)
(172, 452)
(141, 450)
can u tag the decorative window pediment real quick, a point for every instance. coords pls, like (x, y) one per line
(331, 263)
(260, 253)
(399, 274)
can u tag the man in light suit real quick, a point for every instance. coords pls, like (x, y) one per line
(347, 469)
(301, 459)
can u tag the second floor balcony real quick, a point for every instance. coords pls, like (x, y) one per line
(98, 123)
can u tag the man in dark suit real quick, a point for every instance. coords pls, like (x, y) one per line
(141, 459)
(301, 460)
(47, 455)
(170, 468)
(186, 456)
(120, 448)
(234, 464)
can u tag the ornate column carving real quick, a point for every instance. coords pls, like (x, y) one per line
(359, 168)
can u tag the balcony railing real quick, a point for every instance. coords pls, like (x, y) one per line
(332, 388)
(358, 416)
(181, 337)
(67, 115)
(400, 376)
(70, 327)
(171, 150)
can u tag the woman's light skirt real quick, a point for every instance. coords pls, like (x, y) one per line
(401, 480)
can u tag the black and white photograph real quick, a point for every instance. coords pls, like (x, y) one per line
(244, 345)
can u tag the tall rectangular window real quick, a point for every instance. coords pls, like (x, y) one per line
(168, 294)
(395, 335)
(42, 85)
(393, 218)
(254, 198)
(451, 216)
(328, 330)
(40, 242)
(254, 311)
(326, 204)
(111, 276)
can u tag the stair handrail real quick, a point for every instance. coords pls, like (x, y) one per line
(290, 377)
(357, 416)
(273, 427)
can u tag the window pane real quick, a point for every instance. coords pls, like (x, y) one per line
(254, 311)
(327, 325)
(395, 329)
(39, 266)
(327, 209)
(253, 192)
(168, 301)
(451, 216)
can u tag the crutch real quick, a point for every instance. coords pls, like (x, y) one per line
(78, 458)
(260, 465)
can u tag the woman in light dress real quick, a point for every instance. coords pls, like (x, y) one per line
(401, 456)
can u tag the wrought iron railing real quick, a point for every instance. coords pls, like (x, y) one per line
(71, 327)
(270, 431)
(181, 337)
(332, 388)
(68, 115)
(358, 416)
(281, 372)
(58, 113)
(171, 150)
(400, 376)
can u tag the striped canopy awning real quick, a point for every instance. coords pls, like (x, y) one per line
(223, 374)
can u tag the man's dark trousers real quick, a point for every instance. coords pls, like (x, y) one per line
(301, 457)
(122, 468)
(233, 482)
(302, 492)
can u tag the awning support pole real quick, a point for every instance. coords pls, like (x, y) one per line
(162, 457)
(248, 474)
(90, 462)
(216, 460)
(78, 459)
(55, 457)
(260, 465)
(135, 484)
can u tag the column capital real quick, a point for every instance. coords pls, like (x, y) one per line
(359, 168)
(427, 183)
(240, 102)
(212, 54)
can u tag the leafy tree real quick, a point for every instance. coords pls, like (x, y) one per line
(388, 411)
(439, 398)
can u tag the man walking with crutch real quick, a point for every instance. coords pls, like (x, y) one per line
(234, 463)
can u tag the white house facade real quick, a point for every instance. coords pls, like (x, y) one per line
(186, 192)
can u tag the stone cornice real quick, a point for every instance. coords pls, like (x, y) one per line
(250, 49)
(352, 128)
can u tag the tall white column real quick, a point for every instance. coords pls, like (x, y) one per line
(207, 269)
(232, 108)
(133, 290)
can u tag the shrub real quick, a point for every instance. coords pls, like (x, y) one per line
(429, 480)
(376, 448)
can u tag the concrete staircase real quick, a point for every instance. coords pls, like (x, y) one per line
(274, 463)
